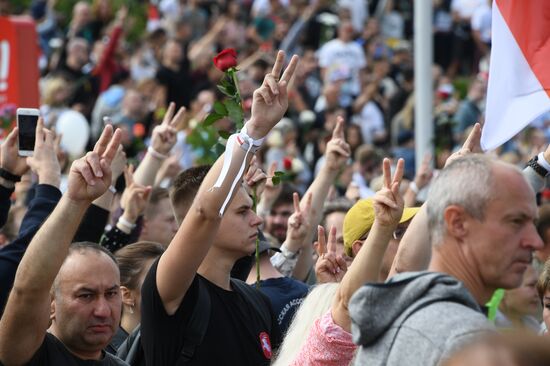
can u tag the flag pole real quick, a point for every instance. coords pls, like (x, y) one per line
(423, 83)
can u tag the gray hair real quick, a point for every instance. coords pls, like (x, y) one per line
(466, 182)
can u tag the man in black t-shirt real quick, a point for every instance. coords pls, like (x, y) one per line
(219, 228)
(73, 290)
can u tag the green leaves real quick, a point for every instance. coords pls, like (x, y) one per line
(211, 118)
(235, 112)
(219, 108)
(224, 134)
(279, 177)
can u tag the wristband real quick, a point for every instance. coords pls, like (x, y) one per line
(154, 153)
(247, 143)
(127, 224)
(9, 176)
(413, 187)
(289, 254)
(542, 161)
(537, 167)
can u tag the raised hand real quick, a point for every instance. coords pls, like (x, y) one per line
(388, 203)
(44, 161)
(9, 156)
(271, 191)
(338, 150)
(164, 135)
(270, 100)
(90, 176)
(137, 196)
(299, 223)
(330, 267)
(471, 145)
(255, 177)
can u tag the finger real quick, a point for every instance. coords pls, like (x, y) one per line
(128, 176)
(112, 148)
(93, 161)
(147, 193)
(176, 121)
(86, 172)
(265, 94)
(290, 69)
(399, 171)
(342, 150)
(472, 142)
(40, 130)
(169, 113)
(272, 84)
(12, 138)
(296, 200)
(103, 140)
(272, 169)
(57, 141)
(383, 200)
(342, 264)
(338, 132)
(387, 172)
(427, 159)
(278, 65)
(49, 138)
(321, 239)
(331, 245)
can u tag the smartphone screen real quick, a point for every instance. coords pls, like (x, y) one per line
(27, 131)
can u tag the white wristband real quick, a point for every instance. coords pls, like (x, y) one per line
(542, 161)
(247, 143)
(413, 187)
(127, 224)
(154, 153)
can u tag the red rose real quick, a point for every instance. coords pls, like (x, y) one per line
(287, 163)
(226, 59)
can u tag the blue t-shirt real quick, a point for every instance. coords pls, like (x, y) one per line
(286, 295)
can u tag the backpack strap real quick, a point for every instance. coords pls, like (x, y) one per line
(198, 324)
(254, 297)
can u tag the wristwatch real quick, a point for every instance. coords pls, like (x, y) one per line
(534, 163)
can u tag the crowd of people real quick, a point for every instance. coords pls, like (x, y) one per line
(311, 239)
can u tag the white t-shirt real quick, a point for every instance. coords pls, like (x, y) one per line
(371, 121)
(481, 21)
(343, 61)
(466, 8)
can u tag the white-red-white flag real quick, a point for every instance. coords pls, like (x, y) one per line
(519, 75)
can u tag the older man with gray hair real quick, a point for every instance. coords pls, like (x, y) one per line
(481, 220)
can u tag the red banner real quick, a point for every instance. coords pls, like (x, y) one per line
(19, 72)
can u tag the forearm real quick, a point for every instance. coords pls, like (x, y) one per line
(147, 170)
(414, 251)
(366, 268)
(48, 249)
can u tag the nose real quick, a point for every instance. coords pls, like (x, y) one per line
(534, 241)
(102, 308)
(257, 220)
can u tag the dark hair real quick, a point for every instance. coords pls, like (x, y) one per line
(83, 246)
(285, 197)
(340, 204)
(157, 195)
(131, 260)
(186, 185)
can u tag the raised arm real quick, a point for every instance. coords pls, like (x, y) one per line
(26, 317)
(178, 265)
(337, 154)
(388, 208)
(414, 251)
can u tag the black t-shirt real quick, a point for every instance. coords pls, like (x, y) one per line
(235, 335)
(53, 352)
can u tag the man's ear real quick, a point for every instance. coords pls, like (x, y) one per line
(127, 296)
(456, 221)
(356, 246)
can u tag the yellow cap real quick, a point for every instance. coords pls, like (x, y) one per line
(359, 220)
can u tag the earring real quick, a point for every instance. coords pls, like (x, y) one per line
(132, 308)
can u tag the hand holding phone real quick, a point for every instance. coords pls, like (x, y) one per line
(27, 119)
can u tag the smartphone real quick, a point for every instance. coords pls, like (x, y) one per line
(27, 119)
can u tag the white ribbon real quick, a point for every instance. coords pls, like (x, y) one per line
(225, 168)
